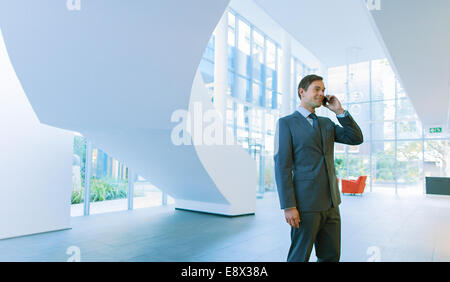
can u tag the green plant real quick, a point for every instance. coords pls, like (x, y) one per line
(102, 190)
(77, 197)
(107, 189)
(339, 165)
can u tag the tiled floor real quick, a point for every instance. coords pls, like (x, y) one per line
(375, 226)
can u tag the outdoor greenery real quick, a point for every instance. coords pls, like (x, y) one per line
(79, 149)
(339, 165)
(102, 190)
(438, 150)
(384, 167)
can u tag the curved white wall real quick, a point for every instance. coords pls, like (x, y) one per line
(35, 164)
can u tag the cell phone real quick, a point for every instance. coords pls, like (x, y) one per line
(325, 100)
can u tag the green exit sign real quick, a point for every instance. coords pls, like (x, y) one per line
(435, 129)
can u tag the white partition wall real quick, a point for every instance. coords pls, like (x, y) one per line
(35, 164)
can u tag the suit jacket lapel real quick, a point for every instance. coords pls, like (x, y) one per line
(310, 131)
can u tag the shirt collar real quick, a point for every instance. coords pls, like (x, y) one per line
(303, 111)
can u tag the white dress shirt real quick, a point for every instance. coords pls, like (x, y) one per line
(306, 114)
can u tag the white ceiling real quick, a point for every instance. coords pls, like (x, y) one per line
(330, 29)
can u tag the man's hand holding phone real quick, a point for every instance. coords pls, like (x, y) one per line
(332, 103)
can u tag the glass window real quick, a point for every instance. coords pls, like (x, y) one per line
(209, 51)
(360, 112)
(409, 162)
(270, 55)
(299, 72)
(231, 29)
(257, 93)
(78, 176)
(230, 84)
(242, 64)
(258, 56)
(383, 80)
(230, 113)
(409, 129)
(269, 177)
(242, 137)
(436, 158)
(244, 37)
(247, 117)
(277, 66)
(242, 88)
(270, 124)
(405, 109)
(258, 47)
(383, 130)
(207, 71)
(359, 82)
(268, 98)
(337, 83)
(145, 194)
(340, 163)
(359, 164)
(383, 164)
(400, 91)
(259, 122)
(365, 128)
(384, 110)
(270, 77)
(240, 122)
(387, 124)
(109, 184)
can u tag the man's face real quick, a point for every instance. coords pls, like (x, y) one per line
(313, 97)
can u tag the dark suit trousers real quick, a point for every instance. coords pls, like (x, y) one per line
(321, 229)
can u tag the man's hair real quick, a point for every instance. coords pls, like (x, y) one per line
(306, 82)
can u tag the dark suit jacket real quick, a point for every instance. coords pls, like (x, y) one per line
(304, 164)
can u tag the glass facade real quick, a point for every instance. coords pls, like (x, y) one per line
(108, 189)
(397, 154)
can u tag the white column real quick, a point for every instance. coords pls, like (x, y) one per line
(131, 179)
(221, 66)
(285, 75)
(87, 177)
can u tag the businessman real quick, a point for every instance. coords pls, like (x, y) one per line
(305, 174)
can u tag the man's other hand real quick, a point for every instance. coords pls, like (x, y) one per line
(292, 217)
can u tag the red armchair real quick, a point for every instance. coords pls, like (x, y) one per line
(354, 186)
